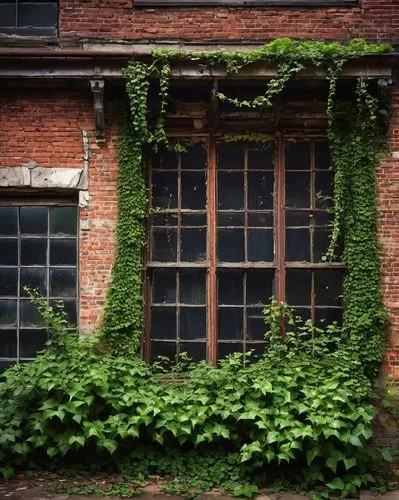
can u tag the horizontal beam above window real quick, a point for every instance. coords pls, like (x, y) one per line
(243, 3)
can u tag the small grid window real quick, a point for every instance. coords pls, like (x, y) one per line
(29, 17)
(38, 249)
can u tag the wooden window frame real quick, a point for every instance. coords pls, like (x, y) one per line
(34, 30)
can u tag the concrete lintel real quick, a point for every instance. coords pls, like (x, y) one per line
(14, 177)
(42, 177)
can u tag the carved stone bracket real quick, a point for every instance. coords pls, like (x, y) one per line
(97, 87)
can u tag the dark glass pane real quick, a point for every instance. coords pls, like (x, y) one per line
(30, 342)
(260, 219)
(230, 191)
(194, 157)
(8, 343)
(324, 189)
(29, 314)
(164, 287)
(195, 350)
(230, 323)
(8, 313)
(167, 160)
(230, 245)
(193, 190)
(192, 287)
(326, 315)
(322, 218)
(162, 219)
(164, 189)
(256, 327)
(62, 282)
(303, 312)
(8, 282)
(321, 241)
(230, 287)
(298, 286)
(63, 252)
(192, 323)
(328, 287)
(193, 245)
(297, 245)
(297, 190)
(260, 245)
(69, 306)
(37, 14)
(257, 350)
(163, 322)
(260, 159)
(165, 349)
(297, 219)
(8, 216)
(260, 191)
(322, 153)
(33, 252)
(63, 221)
(8, 15)
(224, 348)
(8, 252)
(4, 365)
(231, 156)
(164, 245)
(35, 278)
(260, 286)
(297, 156)
(33, 220)
(226, 219)
(193, 219)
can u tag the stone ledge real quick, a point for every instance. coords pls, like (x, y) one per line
(41, 177)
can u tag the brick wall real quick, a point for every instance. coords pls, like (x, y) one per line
(118, 20)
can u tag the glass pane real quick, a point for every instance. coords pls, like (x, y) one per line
(33, 220)
(260, 245)
(8, 313)
(62, 282)
(260, 159)
(63, 252)
(167, 160)
(8, 15)
(63, 221)
(33, 252)
(260, 219)
(4, 365)
(230, 323)
(226, 219)
(8, 343)
(162, 219)
(321, 241)
(70, 308)
(29, 314)
(192, 287)
(324, 189)
(195, 350)
(256, 327)
(224, 348)
(193, 245)
(30, 342)
(257, 350)
(8, 252)
(297, 190)
(165, 349)
(230, 245)
(231, 156)
(297, 219)
(322, 154)
(34, 278)
(163, 323)
(8, 282)
(193, 190)
(230, 191)
(8, 218)
(303, 312)
(297, 245)
(37, 14)
(192, 323)
(195, 157)
(164, 189)
(164, 287)
(260, 286)
(297, 156)
(298, 286)
(260, 191)
(164, 245)
(230, 287)
(328, 287)
(193, 219)
(326, 315)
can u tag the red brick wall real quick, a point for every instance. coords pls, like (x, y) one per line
(117, 19)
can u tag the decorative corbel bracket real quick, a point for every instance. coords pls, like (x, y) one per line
(97, 87)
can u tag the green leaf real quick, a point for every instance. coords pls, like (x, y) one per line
(336, 484)
(311, 455)
(350, 462)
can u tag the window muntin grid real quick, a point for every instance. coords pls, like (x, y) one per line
(29, 17)
(38, 249)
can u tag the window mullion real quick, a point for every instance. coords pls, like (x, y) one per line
(212, 280)
(279, 210)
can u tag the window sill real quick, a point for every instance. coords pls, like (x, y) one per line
(245, 3)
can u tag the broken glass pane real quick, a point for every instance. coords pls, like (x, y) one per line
(260, 191)
(260, 245)
(230, 191)
(192, 287)
(164, 190)
(192, 323)
(164, 286)
(297, 245)
(193, 245)
(297, 190)
(163, 323)
(164, 245)
(193, 190)
(298, 286)
(230, 245)
(297, 156)
(324, 190)
(230, 323)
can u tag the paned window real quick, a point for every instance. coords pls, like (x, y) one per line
(29, 17)
(231, 225)
(38, 249)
